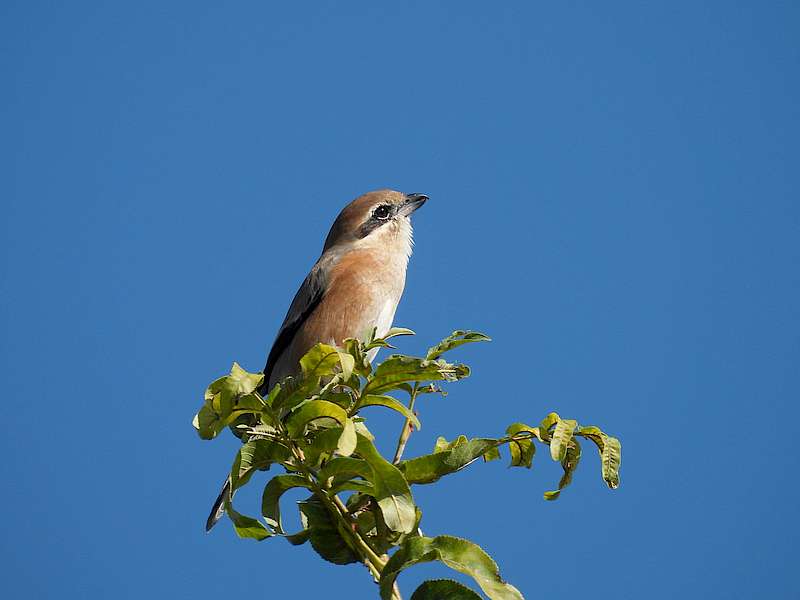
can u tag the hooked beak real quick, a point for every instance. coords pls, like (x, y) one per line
(412, 203)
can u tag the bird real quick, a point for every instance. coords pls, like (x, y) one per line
(354, 288)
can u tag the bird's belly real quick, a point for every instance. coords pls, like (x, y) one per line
(361, 317)
(383, 322)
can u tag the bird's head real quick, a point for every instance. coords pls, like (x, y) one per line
(380, 219)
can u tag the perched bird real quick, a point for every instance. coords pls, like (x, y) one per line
(354, 286)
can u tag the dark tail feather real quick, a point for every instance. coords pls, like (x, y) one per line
(219, 505)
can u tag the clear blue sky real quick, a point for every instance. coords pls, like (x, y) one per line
(614, 199)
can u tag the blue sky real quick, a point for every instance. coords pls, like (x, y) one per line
(614, 199)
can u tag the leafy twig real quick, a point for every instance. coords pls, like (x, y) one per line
(319, 436)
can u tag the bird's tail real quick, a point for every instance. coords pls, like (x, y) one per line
(219, 505)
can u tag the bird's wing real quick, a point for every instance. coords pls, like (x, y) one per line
(305, 301)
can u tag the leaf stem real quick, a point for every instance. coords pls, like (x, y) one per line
(407, 427)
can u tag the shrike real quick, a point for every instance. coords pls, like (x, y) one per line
(355, 286)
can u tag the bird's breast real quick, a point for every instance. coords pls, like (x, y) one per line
(362, 291)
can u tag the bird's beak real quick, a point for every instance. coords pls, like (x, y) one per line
(412, 203)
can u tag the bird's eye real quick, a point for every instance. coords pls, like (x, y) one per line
(382, 212)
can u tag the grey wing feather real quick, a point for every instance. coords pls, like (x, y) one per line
(305, 301)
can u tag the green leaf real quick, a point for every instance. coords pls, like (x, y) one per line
(299, 538)
(242, 424)
(322, 445)
(458, 554)
(311, 411)
(238, 382)
(446, 459)
(323, 533)
(380, 342)
(320, 361)
(270, 500)
(273, 393)
(522, 450)
(561, 438)
(398, 370)
(492, 454)
(391, 489)
(343, 399)
(347, 363)
(455, 339)
(250, 402)
(215, 387)
(610, 453)
(611, 458)
(256, 454)
(355, 349)
(227, 399)
(443, 589)
(388, 402)
(207, 423)
(395, 331)
(569, 464)
(361, 429)
(546, 424)
(342, 467)
(442, 444)
(354, 485)
(242, 382)
(347, 441)
(246, 527)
